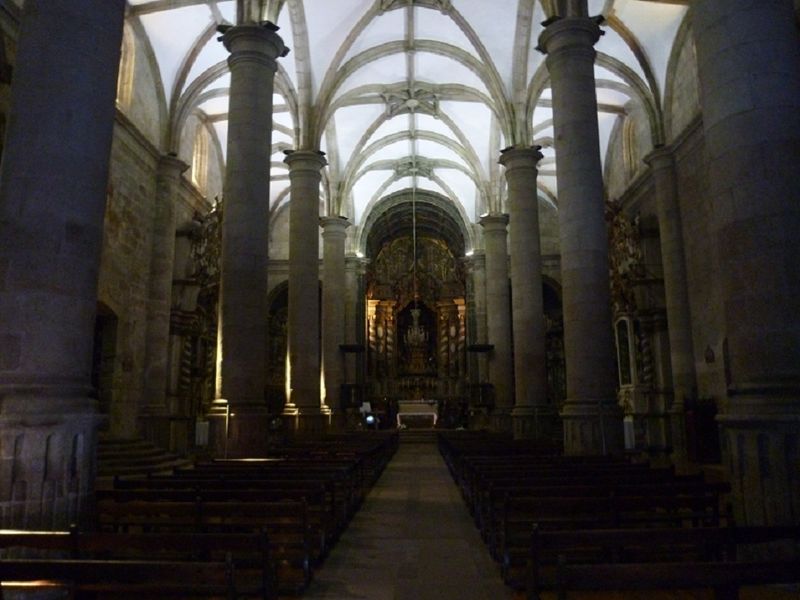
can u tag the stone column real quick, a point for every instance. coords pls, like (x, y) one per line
(498, 318)
(354, 318)
(478, 270)
(334, 234)
(303, 406)
(239, 415)
(53, 191)
(592, 420)
(154, 417)
(676, 292)
(748, 56)
(527, 313)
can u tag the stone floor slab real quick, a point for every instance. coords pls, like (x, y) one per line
(413, 539)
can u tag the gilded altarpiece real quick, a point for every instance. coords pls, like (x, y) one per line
(416, 326)
(640, 332)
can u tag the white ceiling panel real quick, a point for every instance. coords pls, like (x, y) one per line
(655, 27)
(388, 27)
(328, 25)
(172, 34)
(463, 187)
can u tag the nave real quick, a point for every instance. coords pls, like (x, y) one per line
(413, 539)
(410, 515)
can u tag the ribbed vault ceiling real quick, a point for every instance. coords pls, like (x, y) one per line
(409, 93)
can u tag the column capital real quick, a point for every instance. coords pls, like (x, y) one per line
(662, 157)
(252, 42)
(334, 226)
(569, 33)
(494, 222)
(520, 157)
(170, 164)
(356, 263)
(304, 160)
(477, 260)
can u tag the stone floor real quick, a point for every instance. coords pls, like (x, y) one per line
(413, 539)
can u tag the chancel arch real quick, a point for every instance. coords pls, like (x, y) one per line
(416, 312)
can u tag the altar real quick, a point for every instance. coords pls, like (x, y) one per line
(417, 408)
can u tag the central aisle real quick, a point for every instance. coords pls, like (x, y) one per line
(413, 539)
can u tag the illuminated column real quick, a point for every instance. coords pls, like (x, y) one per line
(334, 233)
(239, 416)
(679, 322)
(354, 318)
(530, 374)
(748, 57)
(154, 415)
(477, 266)
(53, 187)
(592, 419)
(498, 318)
(304, 407)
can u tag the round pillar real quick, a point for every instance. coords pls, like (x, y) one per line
(154, 415)
(498, 318)
(53, 192)
(530, 413)
(592, 420)
(304, 344)
(676, 293)
(334, 234)
(748, 57)
(239, 415)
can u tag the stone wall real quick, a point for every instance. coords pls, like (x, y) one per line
(618, 173)
(147, 110)
(683, 92)
(279, 234)
(702, 264)
(125, 267)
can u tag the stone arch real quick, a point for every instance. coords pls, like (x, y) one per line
(459, 222)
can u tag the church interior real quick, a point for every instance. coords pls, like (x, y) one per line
(276, 275)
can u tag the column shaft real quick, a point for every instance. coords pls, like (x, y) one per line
(676, 292)
(748, 56)
(53, 186)
(243, 307)
(592, 421)
(304, 344)
(478, 263)
(498, 318)
(155, 411)
(334, 234)
(527, 313)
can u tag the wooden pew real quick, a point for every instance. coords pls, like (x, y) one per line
(324, 522)
(521, 513)
(86, 578)
(249, 552)
(286, 524)
(489, 501)
(725, 578)
(603, 546)
(490, 509)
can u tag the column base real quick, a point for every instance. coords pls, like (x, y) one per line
(534, 423)
(48, 448)
(592, 428)
(155, 427)
(501, 420)
(678, 439)
(761, 450)
(238, 431)
(308, 422)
